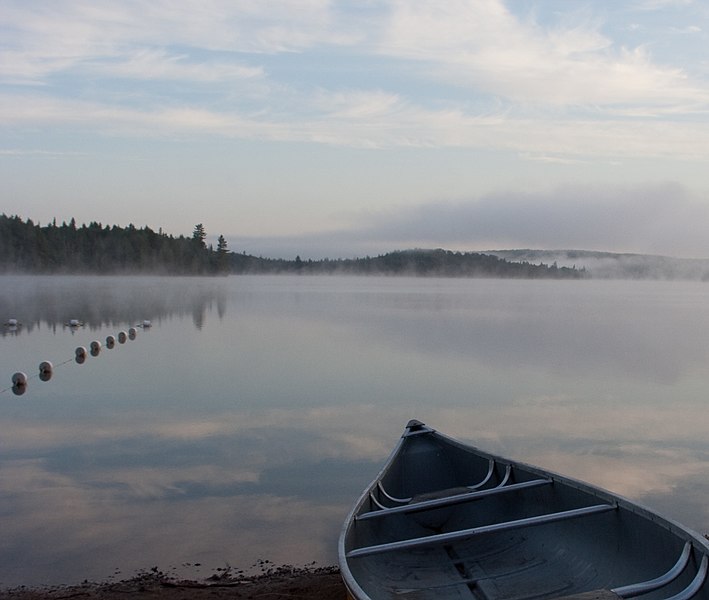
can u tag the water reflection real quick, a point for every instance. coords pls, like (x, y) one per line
(244, 423)
(190, 492)
(72, 303)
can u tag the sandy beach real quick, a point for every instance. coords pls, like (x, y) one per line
(290, 583)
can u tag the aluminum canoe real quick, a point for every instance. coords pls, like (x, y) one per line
(446, 521)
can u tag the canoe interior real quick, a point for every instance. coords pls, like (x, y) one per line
(622, 545)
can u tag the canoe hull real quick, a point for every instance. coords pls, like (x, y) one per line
(445, 520)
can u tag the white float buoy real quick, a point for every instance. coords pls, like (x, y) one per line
(46, 369)
(122, 337)
(110, 341)
(132, 332)
(11, 323)
(147, 323)
(95, 348)
(74, 322)
(19, 379)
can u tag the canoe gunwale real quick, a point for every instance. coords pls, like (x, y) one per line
(628, 591)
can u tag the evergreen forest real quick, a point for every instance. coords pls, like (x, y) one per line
(26, 247)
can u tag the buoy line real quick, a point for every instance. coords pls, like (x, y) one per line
(20, 379)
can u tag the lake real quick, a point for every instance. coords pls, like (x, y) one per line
(244, 422)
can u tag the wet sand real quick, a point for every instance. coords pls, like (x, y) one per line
(282, 583)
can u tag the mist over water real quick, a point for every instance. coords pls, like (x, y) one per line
(245, 421)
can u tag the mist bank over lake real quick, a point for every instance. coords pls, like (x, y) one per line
(613, 265)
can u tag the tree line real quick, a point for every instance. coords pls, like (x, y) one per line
(27, 247)
(438, 263)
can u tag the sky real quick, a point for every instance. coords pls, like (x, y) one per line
(338, 128)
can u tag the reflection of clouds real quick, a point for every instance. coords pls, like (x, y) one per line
(672, 481)
(341, 432)
(59, 523)
(635, 471)
(146, 482)
(277, 486)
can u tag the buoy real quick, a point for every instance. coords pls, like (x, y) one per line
(75, 323)
(19, 379)
(80, 352)
(80, 359)
(122, 337)
(46, 369)
(19, 383)
(147, 323)
(132, 332)
(110, 341)
(95, 348)
(11, 323)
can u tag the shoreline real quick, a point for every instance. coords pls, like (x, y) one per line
(279, 583)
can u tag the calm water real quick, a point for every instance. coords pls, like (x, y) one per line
(244, 422)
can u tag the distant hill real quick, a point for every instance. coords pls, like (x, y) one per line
(432, 263)
(610, 265)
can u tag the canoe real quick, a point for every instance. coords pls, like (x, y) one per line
(446, 520)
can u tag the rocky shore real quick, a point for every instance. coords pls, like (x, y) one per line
(321, 583)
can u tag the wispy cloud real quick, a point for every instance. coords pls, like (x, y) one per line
(43, 40)
(482, 47)
(373, 120)
(485, 46)
(158, 64)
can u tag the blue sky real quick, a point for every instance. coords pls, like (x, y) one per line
(347, 128)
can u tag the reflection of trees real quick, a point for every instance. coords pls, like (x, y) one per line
(104, 301)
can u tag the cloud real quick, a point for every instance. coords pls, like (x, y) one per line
(651, 218)
(656, 219)
(159, 64)
(562, 91)
(660, 4)
(43, 40)
(484, 46)
(372, 120)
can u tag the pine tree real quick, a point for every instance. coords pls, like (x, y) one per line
(199, 235)
(222, 255)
